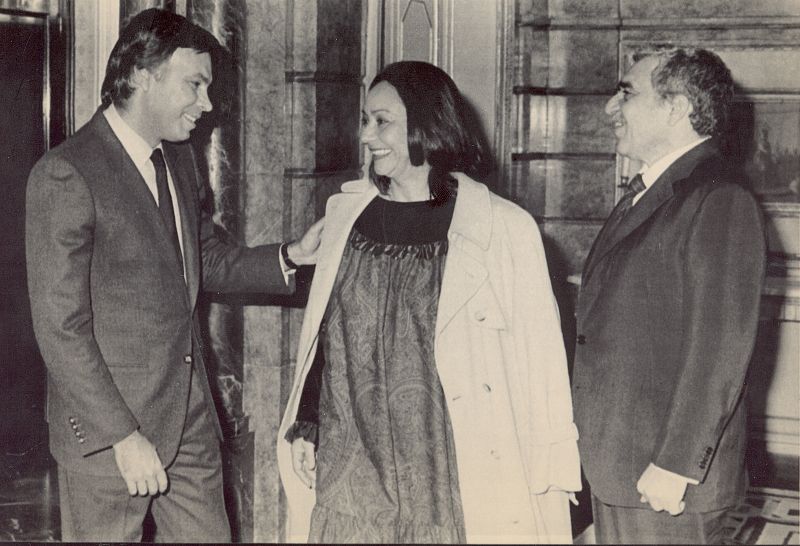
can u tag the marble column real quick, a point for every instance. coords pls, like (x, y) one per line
(129, 8)
(220, 140)
(301, 121)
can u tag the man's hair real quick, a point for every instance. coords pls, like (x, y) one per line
(441, 127)
(149, 39)
(703, 78)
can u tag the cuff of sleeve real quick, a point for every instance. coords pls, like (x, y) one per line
(677, 476)
(302, 429)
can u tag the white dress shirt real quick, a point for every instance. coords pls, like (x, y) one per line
(650, 173)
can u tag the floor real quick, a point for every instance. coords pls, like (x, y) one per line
(28, 497)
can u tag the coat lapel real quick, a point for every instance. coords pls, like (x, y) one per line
(660, 192)
(342, 212)
(469, 236)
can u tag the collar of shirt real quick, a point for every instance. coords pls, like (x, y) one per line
(138, 150)
(651, 173)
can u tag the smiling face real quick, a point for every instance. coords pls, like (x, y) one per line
(176, 95)
(384, 128)
(640, 115)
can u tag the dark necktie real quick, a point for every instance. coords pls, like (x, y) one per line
(634, 187)
(165, 200)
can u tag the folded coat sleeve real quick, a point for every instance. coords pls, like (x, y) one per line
(551, 433)
(59, 231)
(723, 276)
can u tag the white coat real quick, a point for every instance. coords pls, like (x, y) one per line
(501, 362)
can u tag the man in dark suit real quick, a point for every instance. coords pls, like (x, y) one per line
(668, 312)
(118, 248)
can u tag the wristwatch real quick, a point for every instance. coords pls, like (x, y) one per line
(285, 253)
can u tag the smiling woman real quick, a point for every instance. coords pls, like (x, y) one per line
(431, 400)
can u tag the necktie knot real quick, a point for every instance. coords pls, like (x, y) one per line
(636, 185)
(158, 161)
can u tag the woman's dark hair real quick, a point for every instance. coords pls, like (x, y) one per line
(441, 127)
(149, 39)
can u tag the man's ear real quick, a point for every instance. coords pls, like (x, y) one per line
(680, 108)
(140, 79)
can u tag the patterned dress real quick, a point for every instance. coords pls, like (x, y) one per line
(386, 465)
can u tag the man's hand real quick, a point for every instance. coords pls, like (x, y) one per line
(304, 251)
(304, 462)
(140, 465)
(663, 490)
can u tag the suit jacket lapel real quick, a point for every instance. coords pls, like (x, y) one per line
(128, 176)
(660, 192)
(182, 178)
(469, 236)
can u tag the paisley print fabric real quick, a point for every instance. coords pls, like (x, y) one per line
(386, 465)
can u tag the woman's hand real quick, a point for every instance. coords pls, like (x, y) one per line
(304, 462)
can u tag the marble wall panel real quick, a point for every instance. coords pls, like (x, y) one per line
(263, 218)
(238, 475)
(580, 188)
(685, 9)
(530, 10)
(302, 206)
(338, 106)
(265, 127)
(417, 28)
(129, 8)
(584, 9)
(527, 186)
(755, 36)
(339, 38)
(567, 244)
(263, 403)
(303, 119)
(583, 59)
(302, 53)
(266, 131)
(534, 57)
(564, 124)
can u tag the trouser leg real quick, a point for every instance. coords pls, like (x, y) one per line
(99, 508)
(193, 509)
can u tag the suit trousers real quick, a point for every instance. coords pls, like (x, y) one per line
(626, 525)
(100, 509)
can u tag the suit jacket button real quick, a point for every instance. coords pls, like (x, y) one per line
(187, 359)
(81, 440)
(581, 339)
(74, 426)
(72, 420)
